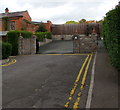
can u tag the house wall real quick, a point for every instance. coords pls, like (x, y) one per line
(34, 27)
(20, 24)
(26, 16)
(48, 25)
(1, 25)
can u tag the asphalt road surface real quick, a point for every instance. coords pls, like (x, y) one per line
(45, 81)
(57, 47)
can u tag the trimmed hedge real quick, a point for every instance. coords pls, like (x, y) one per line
(6, 49)
(111, 35)
(42, 35)
(12, 38)
(48, 35)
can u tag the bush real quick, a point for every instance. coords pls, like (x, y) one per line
(42, 35)
(26, 34)
(111, 35)
(48, 35)
(12, 38)
(41, 28)
(6, 49)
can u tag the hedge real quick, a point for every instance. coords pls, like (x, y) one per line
(42, 35)
(48, 35)
(6, 49)
(12, 38)
(111, 35)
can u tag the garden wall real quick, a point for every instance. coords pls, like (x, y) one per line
(27, 45)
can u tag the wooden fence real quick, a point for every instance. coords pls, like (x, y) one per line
(71, 29)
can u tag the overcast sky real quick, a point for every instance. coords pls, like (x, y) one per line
(60, 11)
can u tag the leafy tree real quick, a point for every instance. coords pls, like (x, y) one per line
(82, 21)
(100, 21)
(41, 28)
(71, 22)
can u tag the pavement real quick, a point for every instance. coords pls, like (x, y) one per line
(106, 88)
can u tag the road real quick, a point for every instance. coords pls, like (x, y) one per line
(42, 81)
(57, 47)
(46, 81)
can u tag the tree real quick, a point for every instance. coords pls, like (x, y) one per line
(71, 22)
(41, 28)
(82, 21)
(100, 21)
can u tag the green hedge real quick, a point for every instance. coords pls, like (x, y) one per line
(6, 49)
(48, 35)
(111, 35)
(42, 35)
(12, 38)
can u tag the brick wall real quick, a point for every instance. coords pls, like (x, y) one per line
(48, 25)
(34, 27)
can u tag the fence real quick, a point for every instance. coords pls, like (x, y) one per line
(71, 29)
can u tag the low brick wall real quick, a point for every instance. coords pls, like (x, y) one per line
(27, 45)
(45, 42)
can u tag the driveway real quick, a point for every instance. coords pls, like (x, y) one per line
(44, 81)
(57, 47)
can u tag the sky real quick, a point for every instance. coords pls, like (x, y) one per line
(60, 11)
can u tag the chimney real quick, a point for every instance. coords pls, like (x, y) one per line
(6, 10)
(49, 22)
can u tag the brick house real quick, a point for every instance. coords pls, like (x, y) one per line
(19, 21)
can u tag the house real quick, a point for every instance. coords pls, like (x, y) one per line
(20, 20)
(14, 20)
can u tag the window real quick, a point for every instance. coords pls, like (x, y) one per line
(12, 25)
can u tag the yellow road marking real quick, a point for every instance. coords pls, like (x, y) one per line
(10, 63)
(76, 104)
(56, 54)
(76, 83)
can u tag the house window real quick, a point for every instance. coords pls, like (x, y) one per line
(12, 25)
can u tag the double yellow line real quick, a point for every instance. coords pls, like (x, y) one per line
(10, 63)
(76, 104)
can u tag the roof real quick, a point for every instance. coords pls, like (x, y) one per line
(12, 14)
(35, 22)
(3, 33)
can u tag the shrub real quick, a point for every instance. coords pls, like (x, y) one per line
(26, 34)
(6, 49)
(12, 38)
(41, 28)
(48, 35)
(42, 35)
(111, 35)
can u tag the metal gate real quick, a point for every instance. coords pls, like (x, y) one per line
(76, 44)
